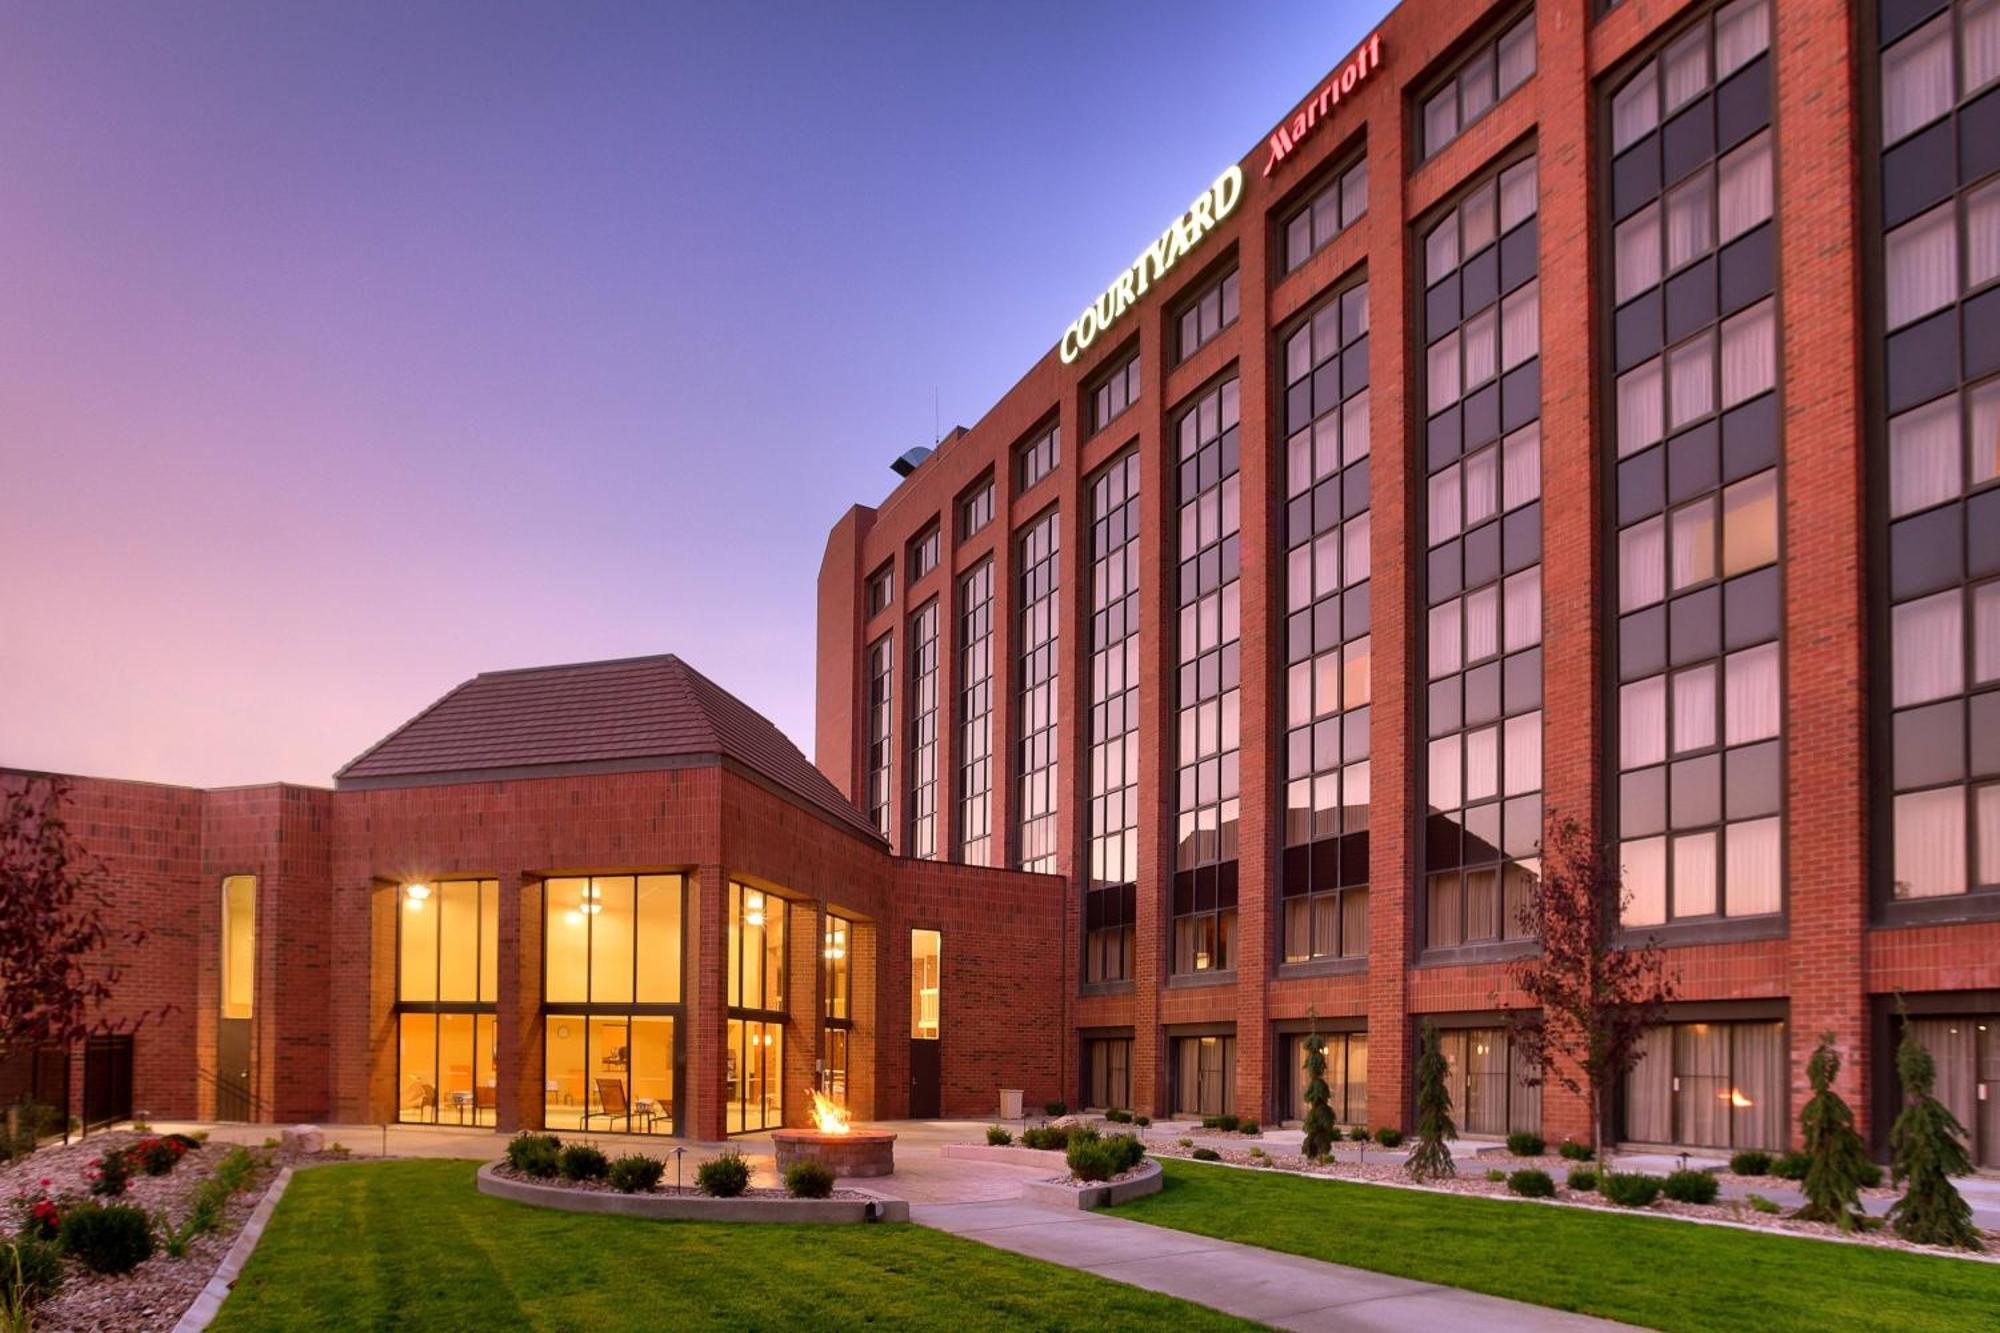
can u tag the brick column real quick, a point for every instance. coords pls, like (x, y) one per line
(1158, 604)
(803, 1001)
(520, 1098)
(706, 1004)
(1825, 645)
(1073, 721)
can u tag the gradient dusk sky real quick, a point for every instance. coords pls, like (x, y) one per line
(348, 350)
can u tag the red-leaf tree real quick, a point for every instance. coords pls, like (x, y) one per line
(1594, 994)
(54, 979)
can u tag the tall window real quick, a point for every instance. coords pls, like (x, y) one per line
(1038, 457)
(975, 716)
(1110, 900)
(924, 553)
(881, 687)
(926, 984)
(1483, 576)
(1709, 1085)
(755, 1057)
(1695, 345)
(1210, 667)
(924, 731)
(1346, 1076)
(1941, 255)
(1211, 311)
(611, 963)
(1114, 393)
(1328, 678)
(881, 589)
(975, 511)
(1107, 1072)
(1040, 546)
(239, 946)
(1335, 207)
(836, 950)
(447, 980)
(1488, 1082)
(1488, 75)
(1204, 1075)
(1966, 1051)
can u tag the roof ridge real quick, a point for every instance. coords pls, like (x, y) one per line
(396, 731)
(574, 666)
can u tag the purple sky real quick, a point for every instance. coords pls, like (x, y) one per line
(349, 350)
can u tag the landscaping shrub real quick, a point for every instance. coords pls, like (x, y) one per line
(997, 1137)
(156, 1157)
(723, 1177)
(1206, 1155)
(108, 1238)
(1531, 1183)
(1119, 1117)
(1319, 1127)
(1126, 1150)
(1389, 1138)
(809, 1178)
(1751, 1163)
(1359, 1134)
(1249, 1127)
(635, 1173)
(1582, 1178)
(1185, 1143)
(1523, 1143)
(525, 1146)
(1142, 1120)
(1762, 1204)
(1834, 1151)
(1046, 1137)
(1430, 1159)
(1495, 1174)
(188, 1141)
(1226, 1123)
(1056, 1108)
(581, 1161)
(1869, 1174)
(31, 1271)
(1930, 1147)
(1093, 1159)
(1630, 1189)
(1791, 1166)
(1690, 1187)
(1574, 1151)
(110, 1174)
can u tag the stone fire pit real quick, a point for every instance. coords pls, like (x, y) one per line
(859, 1152)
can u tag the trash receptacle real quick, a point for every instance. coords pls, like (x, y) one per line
(1010, 1103)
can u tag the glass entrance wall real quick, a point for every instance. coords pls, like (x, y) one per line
(756, 1075)
(445, 1068)
(1204, 1076)
(447, 980)
(1966, 1051)
(611, 1072)
(1490, 1094)
(1346, 1076)
(1709, 1085)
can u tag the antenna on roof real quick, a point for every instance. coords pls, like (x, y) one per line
(937, 429)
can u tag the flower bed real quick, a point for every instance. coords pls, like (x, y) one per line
(1471, 1178)
(166, 1181)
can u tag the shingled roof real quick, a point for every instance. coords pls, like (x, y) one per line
(616, 716)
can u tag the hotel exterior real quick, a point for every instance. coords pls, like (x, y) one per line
(1570, 408)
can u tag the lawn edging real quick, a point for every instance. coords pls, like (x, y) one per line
(691, 1207)
(1146, 1178)
(208, 1304)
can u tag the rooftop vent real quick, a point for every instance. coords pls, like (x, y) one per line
(909, 462)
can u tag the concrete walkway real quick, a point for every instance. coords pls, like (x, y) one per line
(1282, 1290)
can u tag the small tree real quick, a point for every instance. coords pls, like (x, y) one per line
(1837, 1156)
(1927, 1148)
(1430, 1159)
(53, 977)
(1319, 1117)
(1594, 996)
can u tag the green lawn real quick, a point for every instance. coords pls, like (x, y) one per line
(413, 1245)
(1642, 1270)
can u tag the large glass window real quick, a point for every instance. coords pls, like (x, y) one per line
(1204, 1076)
(881, 761)
(1039, 456)
(1110, 899)
(1329, 677)
(1485, 78)
(755, 987)
(447, 981)
(1695, 336)
(1334, 207)
(239, 946)
(611, 966)
(1940, 175)
(1038, 601)
(1483, 575)
(923, 814)
(975, 510)
(1211, 311)
(1488, 1082)
(1107, 1072)
(836, 953)
(1208, 683)
(754, 1074)
(926, 983)
(1114, 393)
(975, 716)
(1346, 1076)
(1709, 1085)
(1965, 1048)
(756, 947)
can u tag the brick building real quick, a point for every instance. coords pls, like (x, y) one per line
(1572, 407)
(608, 895)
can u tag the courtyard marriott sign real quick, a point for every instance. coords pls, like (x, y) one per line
(1210, 207)
(1287, 137)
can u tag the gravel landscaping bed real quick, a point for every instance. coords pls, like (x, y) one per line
(151, 1298)
(1471, 1179)
(506, 1172)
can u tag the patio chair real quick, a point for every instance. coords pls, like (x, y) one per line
(615, 1106)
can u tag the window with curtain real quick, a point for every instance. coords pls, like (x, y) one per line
(975, 716)
(1107, 1072)
(881, 757)
(1208, 683)
(1699, 721)
(1965, 1048)
(1489, 1083)
(1204, 1076)
(1329, 677)
(1039, 550)
(1334, 207)
(1110, 895)
(1346, 1076)
(923, 776)
(1209, 312)
(1709, 1085)
(1940, 167)
(1482, 81)
(1483, 578)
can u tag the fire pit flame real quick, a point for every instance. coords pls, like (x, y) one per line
(827, 1115)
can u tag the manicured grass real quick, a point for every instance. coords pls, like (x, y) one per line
(413, 1245)
(1643, 1270)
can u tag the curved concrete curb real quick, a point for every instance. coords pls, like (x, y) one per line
(692, 1207)
(1043, 1158)
(1146, 1179)
(209, 1303)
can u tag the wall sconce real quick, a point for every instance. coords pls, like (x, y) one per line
(415, 894)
